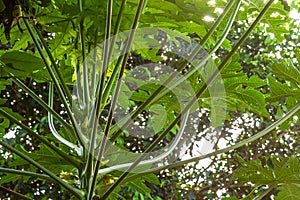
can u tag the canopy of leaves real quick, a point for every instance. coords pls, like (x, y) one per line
(47, 42)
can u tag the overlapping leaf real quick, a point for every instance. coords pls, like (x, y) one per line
(286, 72)
(46, 157)
(276, 17)
(280, 91)
(20, 64)
(283, 173)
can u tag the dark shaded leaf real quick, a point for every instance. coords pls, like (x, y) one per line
(20, 63)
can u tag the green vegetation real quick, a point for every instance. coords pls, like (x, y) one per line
(149, 99)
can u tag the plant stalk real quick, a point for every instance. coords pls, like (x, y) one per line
(113, 77)
(65, 89)
(99, 93)
(224, 150)
(173, 75)
(56, 82)
(200, 92)
(116, 92)
(26, 173)
(41, 102)
(86, 94)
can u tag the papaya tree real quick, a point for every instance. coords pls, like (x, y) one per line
(126, 99)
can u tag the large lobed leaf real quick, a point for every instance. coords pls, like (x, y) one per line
(286, 72)
(46, 157)
(282, 173)
(20, 64)
(280, 91)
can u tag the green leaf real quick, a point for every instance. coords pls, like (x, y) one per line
(9, 178)
(159, 117)
(276, 22)
(297, 53)
(21, 63)
(149, 54)
(253, 171)
(252, 82)
(13, 114)
(22, 43)
(115, 195)
(124, 96)
(3, 125)
(240, 160)
(67, 71)
(2, 101)
(283, 173)
(288, 192)
(286, 169)
(232, 68)
(286, 71)
(252, 99)
(46, 157)
(41, 76)
(152, 178)
(139, 186)
(162, 5)
(4, 82)
(280, 91)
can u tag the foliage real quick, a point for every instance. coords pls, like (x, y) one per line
(280, 173)
(56, 43)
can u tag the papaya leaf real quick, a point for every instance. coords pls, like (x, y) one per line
(149, 54)
(276, 21)
(230, 198)
(46, 157)
(139, 186)
(151, 178)
(4, 82)
(280, 91)
(20, 63)
(253, 171)
(297, 53)
(288, 192)
(283, 173)
(13, 114)
(252, 99)
(252, 82)
(4, 124)
(9, 178)
(159, 117)
(286, 71)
